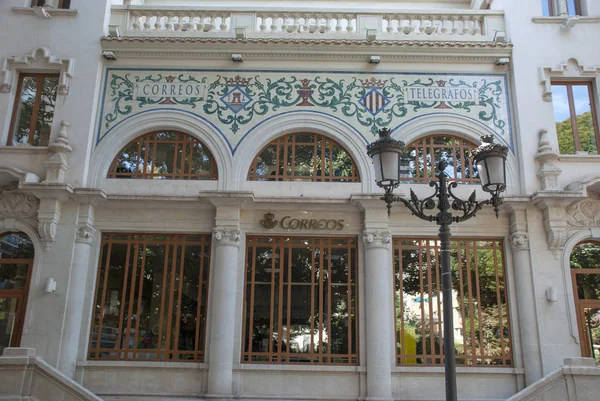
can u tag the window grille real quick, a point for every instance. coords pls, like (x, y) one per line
(300, 301)
(303, 157)
(481, 317)
(164, 155)
(151, 295)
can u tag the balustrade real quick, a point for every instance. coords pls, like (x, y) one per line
(467, 25)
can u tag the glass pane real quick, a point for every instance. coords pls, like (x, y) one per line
(588, 286)
(585, 123)
(22, 121)
(13, 276)
(164, 161)
(562, 118)
(480, 314)
(592, 331)
(8, 320)
(201, 160)
(586, 256)
(305, 161)
(546, 7)
(16, 246)
(45, 111)
(572, 7)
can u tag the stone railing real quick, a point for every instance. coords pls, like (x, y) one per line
(447, 25)
(23, 376)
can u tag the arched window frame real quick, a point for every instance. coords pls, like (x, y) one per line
(424, 146)
(150, 141)
(287, 172)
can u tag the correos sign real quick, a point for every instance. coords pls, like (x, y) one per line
(292, 223)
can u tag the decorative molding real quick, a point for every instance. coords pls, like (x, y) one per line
(223, 235)
(47, 230)
(19, 205)
(519, 241)
(571, 68)
(40, 59)
(377, 237)
(56, 165)
(49, 216)
(549, 172)
(584, 214)
(555, 223)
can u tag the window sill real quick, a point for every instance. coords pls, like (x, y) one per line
(561, 20)
(579, 158)
(316, 369)
(141, 364)
(46, 13)
(491, 370)
(42, 150)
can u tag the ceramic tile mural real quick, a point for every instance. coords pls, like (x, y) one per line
(237, 102)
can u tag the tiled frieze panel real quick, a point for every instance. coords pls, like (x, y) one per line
(237, 102)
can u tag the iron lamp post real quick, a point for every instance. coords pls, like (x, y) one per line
(490, 159)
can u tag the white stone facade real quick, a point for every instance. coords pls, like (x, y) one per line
(503, 51)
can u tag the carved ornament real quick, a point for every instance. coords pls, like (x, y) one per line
(377, 237)
(221, 234)
(519, 241)
(585, 213)
(18, 205)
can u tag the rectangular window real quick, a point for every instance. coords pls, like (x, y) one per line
(575, 117)
(64, 4)
(481, 321)
(34, 109)
(550, 7)
(151, 297)
(301, 301)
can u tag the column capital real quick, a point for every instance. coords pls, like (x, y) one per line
(85, 234)
(376, 238)
(519, 241)
(225, 235)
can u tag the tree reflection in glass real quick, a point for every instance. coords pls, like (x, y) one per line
(300, 301)
(164, 155)
(303, 157)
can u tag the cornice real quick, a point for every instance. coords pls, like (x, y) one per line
(261, 48)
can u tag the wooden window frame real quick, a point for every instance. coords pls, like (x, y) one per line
(35, 108)
(21, 294)
(282, 157)
(470, 357)
(169, 319)
(580, 304)
(573, 114)
(277, 318)
(426, 145)
(183, 139)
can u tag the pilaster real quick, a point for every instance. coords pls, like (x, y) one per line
(75, 301)
(525, 291)
(226, 237)
(378, 300)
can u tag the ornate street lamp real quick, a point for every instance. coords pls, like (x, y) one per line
(490, 158)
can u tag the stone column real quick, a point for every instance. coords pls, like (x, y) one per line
(528, 321)
(75, 300)
(378, 305)
(223, 303)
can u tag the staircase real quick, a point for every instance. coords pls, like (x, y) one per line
(25, 377)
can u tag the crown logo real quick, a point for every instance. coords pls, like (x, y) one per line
(238, 81)
(269, 222)
(373, 83)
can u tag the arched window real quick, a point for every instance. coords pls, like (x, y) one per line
(16, 260)
(164, 155)
(303, 157)
(585, 274)
(423, 155)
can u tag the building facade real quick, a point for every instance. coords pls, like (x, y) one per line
(187, 208)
